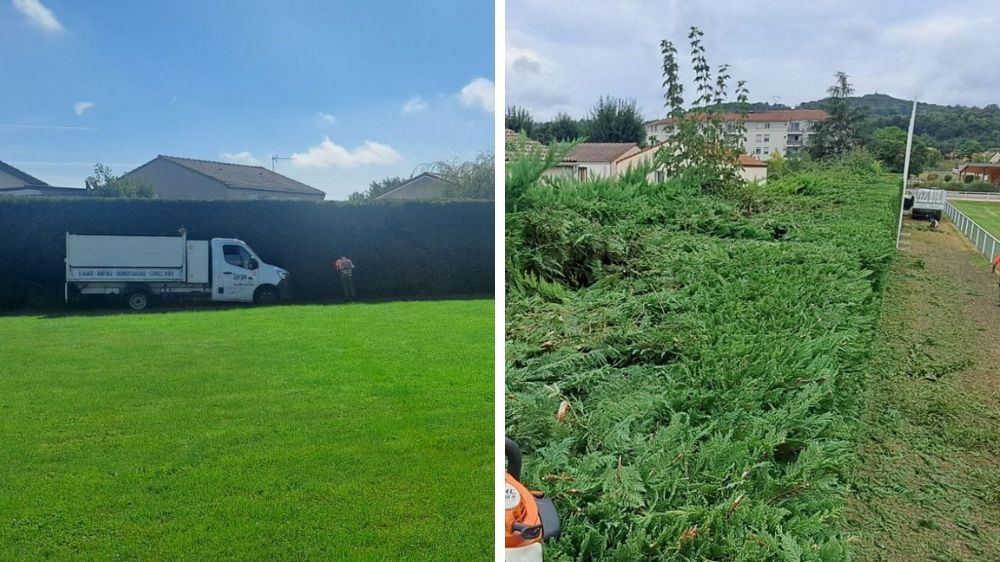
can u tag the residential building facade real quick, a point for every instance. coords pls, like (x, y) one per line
(767, 132)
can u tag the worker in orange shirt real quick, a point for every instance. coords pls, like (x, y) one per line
(345, 268)
(996, 262)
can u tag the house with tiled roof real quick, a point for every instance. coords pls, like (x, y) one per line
(172, 177)
(427, 186)
(786, 130)
(18, 183)
(586, 160)
(12, 177)
(598, 159)
(751, 169)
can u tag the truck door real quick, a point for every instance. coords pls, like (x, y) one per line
(234, 273)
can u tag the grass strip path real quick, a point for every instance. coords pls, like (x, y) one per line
(927, 486)
(285, 433)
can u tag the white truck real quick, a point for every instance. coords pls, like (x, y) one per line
(136, 269)
(927, 203)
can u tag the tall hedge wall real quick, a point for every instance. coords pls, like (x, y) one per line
(399, 250)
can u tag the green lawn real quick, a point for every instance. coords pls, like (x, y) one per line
(283, 433)
(985, 213)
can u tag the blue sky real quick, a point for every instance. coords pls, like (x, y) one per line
(357, 91)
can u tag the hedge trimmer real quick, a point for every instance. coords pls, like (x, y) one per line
(531, 517)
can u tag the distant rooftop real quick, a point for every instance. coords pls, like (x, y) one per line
(25, 177)
(242, 176)
(765, 116)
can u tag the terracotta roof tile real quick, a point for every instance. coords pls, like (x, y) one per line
(763, 116)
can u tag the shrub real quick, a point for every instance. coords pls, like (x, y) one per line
(968, 178)
(947, 177)
(710, 355)
(932, 176)
(400, 250)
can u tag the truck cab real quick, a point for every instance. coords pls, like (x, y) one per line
(238, 274)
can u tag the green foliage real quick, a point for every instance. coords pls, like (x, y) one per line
(615, 120)
(942, 126)
(104, 183)
(841, 133)
(710, 350)
(400, 249)
(561, 129)
(528, 166)
(889, 145)
(519, 120)
(249, 434)
(777, 165)
(377, 188)
(470, 179)
(969, 148)
(701, 149)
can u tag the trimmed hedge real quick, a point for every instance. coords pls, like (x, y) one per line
(400, 250)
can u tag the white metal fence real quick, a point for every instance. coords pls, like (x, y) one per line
(975, 195)
(986, 243)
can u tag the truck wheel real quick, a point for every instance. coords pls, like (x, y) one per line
(137, 300)
(266, 296)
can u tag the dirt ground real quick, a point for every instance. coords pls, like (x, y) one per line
(927, 486)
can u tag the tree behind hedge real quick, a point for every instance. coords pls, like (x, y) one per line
(841, 133)
(615, 120)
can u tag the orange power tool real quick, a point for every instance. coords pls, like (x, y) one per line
(530, 516)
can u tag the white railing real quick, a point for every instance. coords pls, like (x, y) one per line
(976, 195)
(986, 243)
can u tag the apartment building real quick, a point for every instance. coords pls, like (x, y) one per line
(787, 130)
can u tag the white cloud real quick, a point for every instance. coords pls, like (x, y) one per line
(324, 119)
(82, 106)
(904, 48)
(413, 105)
(240, 158)
(478, 93)
(331, 155)
(39, 15)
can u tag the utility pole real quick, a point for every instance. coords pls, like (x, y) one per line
(906, 173)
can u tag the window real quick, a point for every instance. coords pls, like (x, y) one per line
(767, 125)
(236, 255)
(660, 176)
(582, 174)
(767, 138)
(757, 151)
(794, 126)
(758, 137)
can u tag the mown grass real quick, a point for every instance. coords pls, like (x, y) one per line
(985, 213)
(284, 433)
(927, 487)
(711, 350)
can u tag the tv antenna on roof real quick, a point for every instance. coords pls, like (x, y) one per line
(275, 158)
